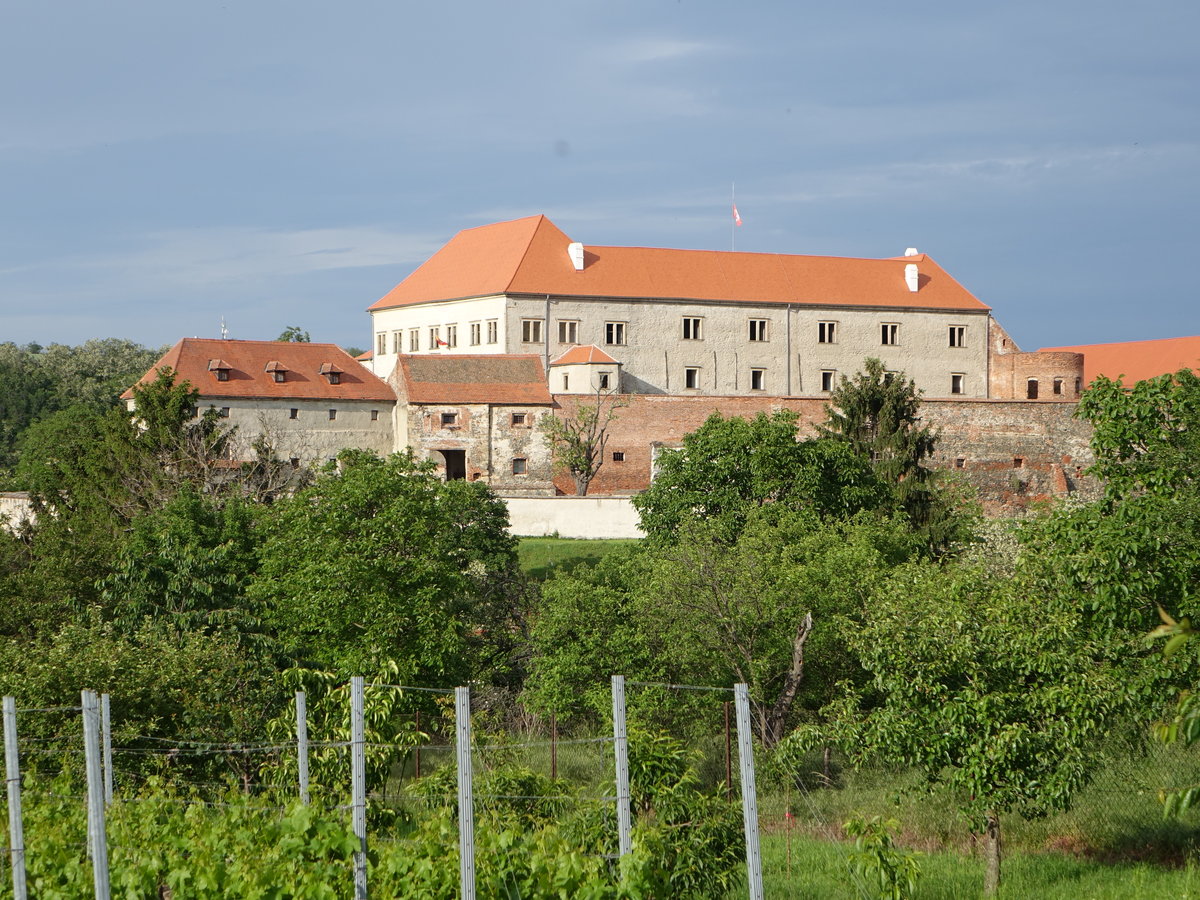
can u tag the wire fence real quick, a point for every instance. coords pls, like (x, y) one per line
(103, 806)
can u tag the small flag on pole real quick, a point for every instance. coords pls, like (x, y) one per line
(737, 218)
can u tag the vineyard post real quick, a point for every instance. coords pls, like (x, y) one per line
(97, 837)
(466, 793)
(358, 785)
(302, 744)
(12, 774)
(106, 739)
(621, 751)
(741, 699)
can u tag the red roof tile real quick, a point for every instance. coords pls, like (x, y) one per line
(495, 378)
(1136, 360)
(588, 354)
(529, 256)
(247, 363)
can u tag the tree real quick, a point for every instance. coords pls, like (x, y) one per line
(382, 560)
(877, 414)
(294, 334)
(984, 687)
(577, 442)
(729, 467)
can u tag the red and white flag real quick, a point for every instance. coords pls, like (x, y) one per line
(737, 218)
(442, 343)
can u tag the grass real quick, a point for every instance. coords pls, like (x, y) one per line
(542, 557)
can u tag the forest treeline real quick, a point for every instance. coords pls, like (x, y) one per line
(850, 585)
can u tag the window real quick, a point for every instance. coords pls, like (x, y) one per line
(531, 331)
(604, 381)
(449, 419)
(827, 380)
(956, 383)
(520, 465)
(691, 328)
(476, 333)
(414, 340)
(279, 376)
(691, 378)
(518, 419)
(568, 331)
(614, 333)
(223, 412)
(435, 337)
(294, 413)
(958, 335)
(618, 456)
(335, 377)
(889, 334)
(397, 337)
(1078, 383)
(492, 329)
(374, 415)
(222, 374)
(1031, 389)
(758, 379)
(332, 414)
(758, 329)
(1058, 386)
(452, 335)
(827, 332)
(381, 343)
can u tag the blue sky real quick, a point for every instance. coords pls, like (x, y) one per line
(164, 165)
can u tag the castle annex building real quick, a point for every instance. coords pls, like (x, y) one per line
(704, 323)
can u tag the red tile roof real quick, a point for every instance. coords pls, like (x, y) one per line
(1137, 360)
(588, 354)
(248, 376)
(529, 256)
(504, 379)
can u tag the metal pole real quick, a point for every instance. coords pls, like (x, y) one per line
(302, 744)
(741, 699)
(417, 751)
(728, 756)
(16, 826)
(95, 791)
(554, 746)
(621, 746)
(106, 741)
(466, 795)
(358, 785)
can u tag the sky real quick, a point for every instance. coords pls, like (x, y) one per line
(167, 166)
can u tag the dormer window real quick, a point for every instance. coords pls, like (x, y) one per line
(277, 370)
(220, 368)
(332, 371)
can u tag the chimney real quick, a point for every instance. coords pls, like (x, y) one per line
(910, 276)
(575, 251)
(911, 251)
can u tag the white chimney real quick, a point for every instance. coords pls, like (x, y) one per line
(911, 251)
(910, 276)
(575, 251)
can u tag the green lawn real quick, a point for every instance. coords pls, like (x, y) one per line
(542, 557)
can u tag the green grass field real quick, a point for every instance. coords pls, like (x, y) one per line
(542, 557)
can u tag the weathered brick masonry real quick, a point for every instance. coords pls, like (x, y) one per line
(1011, 452)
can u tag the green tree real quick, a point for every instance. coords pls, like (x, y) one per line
(984, 687)
(729, 467)
(382, 560)
(577, 442)
(877, 414)
(294, 334)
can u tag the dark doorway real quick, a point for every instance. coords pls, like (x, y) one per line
(456, 464)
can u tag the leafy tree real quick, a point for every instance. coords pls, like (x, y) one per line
(729, 467)
(577, 442)
(380, 560)
(294, 334)
(984, 687)
(877, 414)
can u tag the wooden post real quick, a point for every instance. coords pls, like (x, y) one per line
(554, 746)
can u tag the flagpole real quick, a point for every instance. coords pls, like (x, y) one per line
(733, 222)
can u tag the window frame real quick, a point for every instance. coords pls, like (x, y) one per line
(616, 334)
(958, 336)
(957, 382)
(828, 380)
(520, 465)
(693, 328)
(493, 330)
(414, 340)
(827, 331)
(568, 331)
(691, 378)
(758, 379)
(889, 334)
(531, 331)
(476, 333)
(452, 336)
(759, 331)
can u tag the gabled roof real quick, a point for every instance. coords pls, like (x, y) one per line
(1136, 360)
(247, 361)
(584, 355)
(529, 256)
(494, 378)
